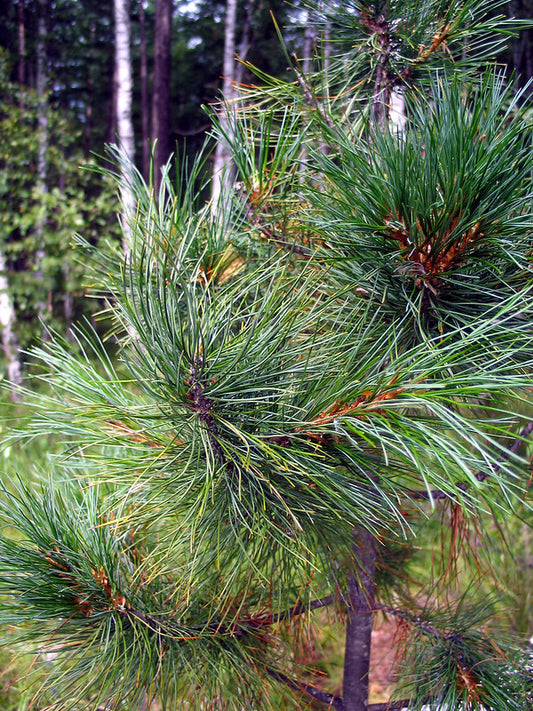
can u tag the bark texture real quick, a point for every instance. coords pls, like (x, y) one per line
(222, 179)
(21, 30)
(123, 93)
(42, 152)
(359, 625)
(145, 107)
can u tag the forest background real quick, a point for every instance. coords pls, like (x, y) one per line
(59, 84)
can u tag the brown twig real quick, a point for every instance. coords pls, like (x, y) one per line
(311, 99)
(298, 609)
(332, 700)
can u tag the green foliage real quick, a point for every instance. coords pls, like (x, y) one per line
(340, 344)
(438, 224)
(39, 218)
(450, 662)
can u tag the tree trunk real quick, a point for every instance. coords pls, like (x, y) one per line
(246, 41)
(21, 44)
(161, 92)
(123, 90)
(145, 108)
(359, 624)
(222, 178)
(7, 325)
(111, 109)
(90, 91)
(42, 167)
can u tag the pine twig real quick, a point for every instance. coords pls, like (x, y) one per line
(332, 700)
(301, 609)
(311, 99)
(481, 475)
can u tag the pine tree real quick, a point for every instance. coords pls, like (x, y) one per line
(315, 371)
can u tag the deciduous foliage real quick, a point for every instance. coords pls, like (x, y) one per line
(41, 213)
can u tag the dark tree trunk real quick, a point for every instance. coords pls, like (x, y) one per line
(90, 92)
(359, 624)
(246, 40)
(161, 90)
(21, 43)
(111, 128)
(145, 108)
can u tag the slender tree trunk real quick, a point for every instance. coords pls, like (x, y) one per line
(7, 326)
(161, 92)
(68, 301)
(42, 167)
(246, 41)
(385, 101)
(123, 90)
(359, 625)
(111, 127)
(325, 72)
(90, 91)
(222, 178)
(145, 108)
(21, 44)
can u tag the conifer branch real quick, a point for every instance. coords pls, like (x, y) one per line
(311, 99)
(424, 625)
(298, 609)
(332, 700)
(481, 475)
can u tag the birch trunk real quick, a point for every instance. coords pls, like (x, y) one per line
(222, 178)
(7, 326)
(123, 93)
(246, 41)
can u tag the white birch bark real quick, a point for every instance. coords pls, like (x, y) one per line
(397, 117)
(222, 161)
(123, 95)
(7, 326)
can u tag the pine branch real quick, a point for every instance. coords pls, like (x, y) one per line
(332, 700)
(481, 475)
(255, 219)
(311, 99)
(424, 625)
(298, 609)
(291, 246)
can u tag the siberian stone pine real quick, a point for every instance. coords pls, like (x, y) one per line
(314, 371)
